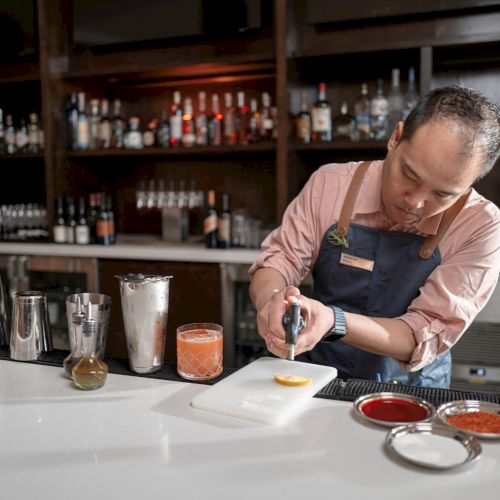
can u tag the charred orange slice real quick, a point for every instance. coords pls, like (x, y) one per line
(291, 380)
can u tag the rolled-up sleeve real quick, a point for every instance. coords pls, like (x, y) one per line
(457, 289)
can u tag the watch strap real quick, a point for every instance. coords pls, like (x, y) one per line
(339, 328)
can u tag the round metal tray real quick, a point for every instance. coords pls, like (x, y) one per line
(467, 406)
(358, 404)
(433, 447)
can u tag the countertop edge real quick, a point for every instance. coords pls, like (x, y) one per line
(160, 251)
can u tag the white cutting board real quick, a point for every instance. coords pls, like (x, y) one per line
(252, 394)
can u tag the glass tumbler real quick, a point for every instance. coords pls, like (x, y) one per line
(199, 351)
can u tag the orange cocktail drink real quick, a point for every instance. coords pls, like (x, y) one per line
(199, 351)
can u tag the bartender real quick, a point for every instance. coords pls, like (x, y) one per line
(404, 252)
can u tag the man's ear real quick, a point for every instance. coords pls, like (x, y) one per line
(395, 136)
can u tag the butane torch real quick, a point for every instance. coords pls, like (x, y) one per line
(292, 323)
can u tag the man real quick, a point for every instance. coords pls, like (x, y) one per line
(404, 252)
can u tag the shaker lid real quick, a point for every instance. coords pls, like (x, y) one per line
(141, 278)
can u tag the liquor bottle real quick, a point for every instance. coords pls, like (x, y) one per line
(266, 120)
(2, 133)
(411, 96)
(83, 131)
(224, 224)
(133, 137)
(201, 120)
(33, 146)
(70, 220)
(118, 126)
(22, 137)
(254, 122)
(395, 103)
(92, 216)
(111, 220)
(210, 221)
(82, 230)
(94, 120)
(163, 135)
(344, 124)
(321, 117)
(104, 129)
(378, 113)
(303, 120)
(242, 119)
(188, 131)
(103, 234)
(230, 135)
(216, 123)
(41, 135)
(362, 114)
(176, 120)
(10, 135)
(59, 229)
(72, 121)
(149, 135)
(151, 195)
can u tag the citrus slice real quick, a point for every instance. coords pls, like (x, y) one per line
(291, 380)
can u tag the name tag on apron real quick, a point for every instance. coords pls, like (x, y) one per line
(358, 262)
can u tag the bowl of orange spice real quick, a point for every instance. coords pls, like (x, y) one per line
(478, 418)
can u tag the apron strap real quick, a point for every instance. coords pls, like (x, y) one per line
(350, 199)
(431, 242)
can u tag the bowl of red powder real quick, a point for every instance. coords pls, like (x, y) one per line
(478, 418)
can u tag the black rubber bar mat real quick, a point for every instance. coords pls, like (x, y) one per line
(342, 390)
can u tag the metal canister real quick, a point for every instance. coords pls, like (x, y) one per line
(144, 302)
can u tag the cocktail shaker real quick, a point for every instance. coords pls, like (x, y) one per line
(145, 311)
(30, 334)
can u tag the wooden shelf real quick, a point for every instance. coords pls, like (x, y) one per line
(176, 62)
(170, 152)
(22, 156)
(19, 72)
(341, 145)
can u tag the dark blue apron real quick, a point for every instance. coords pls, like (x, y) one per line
(387, 291)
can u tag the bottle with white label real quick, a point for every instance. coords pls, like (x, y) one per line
(321, 117)
(395, 103)
(59, 229)
(83, 125)
(82, 230)
(176, 120)
(411, 96)
(133, 136)
(378, 113)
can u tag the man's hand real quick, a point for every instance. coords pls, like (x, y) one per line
(318, 320)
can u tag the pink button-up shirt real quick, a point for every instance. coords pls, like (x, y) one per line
(451, 296)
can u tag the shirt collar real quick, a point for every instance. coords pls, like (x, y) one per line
(369, 200)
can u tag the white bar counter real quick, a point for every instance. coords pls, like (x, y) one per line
(138, 438)
(136, 248)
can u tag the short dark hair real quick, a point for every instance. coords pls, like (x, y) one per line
(468, 107)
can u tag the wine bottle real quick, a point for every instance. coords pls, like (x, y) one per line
(210, 221)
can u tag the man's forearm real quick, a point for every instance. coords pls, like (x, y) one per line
(265, 282)
(388, 337)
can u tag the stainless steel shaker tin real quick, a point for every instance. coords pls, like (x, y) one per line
(30, 333)
(145, 311)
